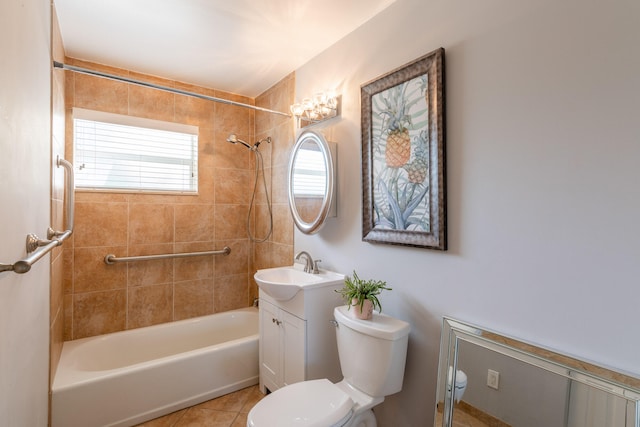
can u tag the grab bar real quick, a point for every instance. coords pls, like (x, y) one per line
(70, 199)
(38, 248)
(112, 259)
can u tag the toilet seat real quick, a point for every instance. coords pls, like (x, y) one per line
(317, 403)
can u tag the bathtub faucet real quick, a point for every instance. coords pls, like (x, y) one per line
(311, 266)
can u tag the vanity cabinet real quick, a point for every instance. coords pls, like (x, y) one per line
(297, 338)
(282, 346)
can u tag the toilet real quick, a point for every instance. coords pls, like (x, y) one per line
(372, 358)
(460, 384)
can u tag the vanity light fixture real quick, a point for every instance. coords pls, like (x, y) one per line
(323, 106)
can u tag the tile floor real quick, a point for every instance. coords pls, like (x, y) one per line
(230, 410)
(465, 418)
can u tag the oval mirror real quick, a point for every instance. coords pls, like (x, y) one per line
(311, 182)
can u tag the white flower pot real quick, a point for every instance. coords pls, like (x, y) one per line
(367, 309)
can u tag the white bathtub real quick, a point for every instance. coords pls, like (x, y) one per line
(128, 377)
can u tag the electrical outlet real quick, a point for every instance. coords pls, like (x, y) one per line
(493, 379)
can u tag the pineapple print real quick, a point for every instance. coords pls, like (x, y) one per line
(417, 170)
(395, 123)
(398, 149)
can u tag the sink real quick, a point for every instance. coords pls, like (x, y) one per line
(283, 283)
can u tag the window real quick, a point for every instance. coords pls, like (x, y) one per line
(118, 152)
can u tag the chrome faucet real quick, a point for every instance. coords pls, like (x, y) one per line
(310, 266)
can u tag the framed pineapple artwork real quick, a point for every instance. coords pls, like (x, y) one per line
(403, 155)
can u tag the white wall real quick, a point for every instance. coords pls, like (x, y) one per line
(25, 167)
(542, 175)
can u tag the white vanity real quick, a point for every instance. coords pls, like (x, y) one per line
(297, 329)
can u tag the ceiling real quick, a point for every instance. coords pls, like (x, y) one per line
(239, 46)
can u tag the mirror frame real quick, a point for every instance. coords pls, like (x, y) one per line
(328, 202)
(454, 331)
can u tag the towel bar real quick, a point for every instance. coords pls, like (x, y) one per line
(38, 248)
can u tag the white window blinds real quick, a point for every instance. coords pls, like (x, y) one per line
(129, 153)
(310, 174)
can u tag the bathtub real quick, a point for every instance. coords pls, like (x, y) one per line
(128, 377)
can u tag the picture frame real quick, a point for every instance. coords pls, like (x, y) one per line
(403, 155)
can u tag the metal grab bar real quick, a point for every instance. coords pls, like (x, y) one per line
(112, 259)
(38, 248)
(70, 199)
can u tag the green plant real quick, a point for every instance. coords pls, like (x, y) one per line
(360, 290)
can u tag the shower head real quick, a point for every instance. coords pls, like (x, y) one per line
(233, 138)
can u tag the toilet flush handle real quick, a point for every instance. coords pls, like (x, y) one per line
(334, 323)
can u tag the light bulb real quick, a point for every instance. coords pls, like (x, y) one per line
(320, 98)
(307, 104)
(297, 109)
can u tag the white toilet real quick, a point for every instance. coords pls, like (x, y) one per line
(372, 358)
(460, 386)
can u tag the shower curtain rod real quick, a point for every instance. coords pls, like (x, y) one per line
(75, 69)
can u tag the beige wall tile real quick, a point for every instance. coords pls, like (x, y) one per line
(232, 186)
(233, 119)
(231, 156)
(194, 268)
(194, 223)
(281, 153)
(84, 196)
(262, 256)
(206, 187)
(194, 111)
(281, 255)
(67, 259)
(69, 92)
(68, 317)
(263, 120)
(193, 298)
(236, 262)
(92, 274)
(151, 223)
(149, 305)
(150, 198)
(263, 222)
(261, 196)
(97, 313)
(279, 194)
(101, 224)
(230, 222)
(206, 150)
(154, 272)
(151, 103)
(282, 224)
(230, 292)
(95, 93)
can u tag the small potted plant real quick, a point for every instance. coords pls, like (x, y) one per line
(362, 295)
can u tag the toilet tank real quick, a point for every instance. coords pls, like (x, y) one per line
(372, 352)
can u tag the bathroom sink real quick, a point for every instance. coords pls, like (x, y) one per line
(283, 283)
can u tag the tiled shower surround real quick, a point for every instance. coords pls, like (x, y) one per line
(102, 298)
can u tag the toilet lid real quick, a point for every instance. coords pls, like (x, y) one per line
(317, 403)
